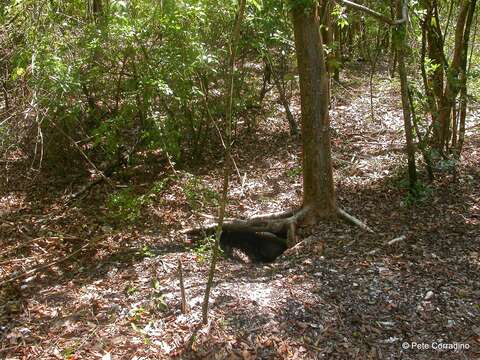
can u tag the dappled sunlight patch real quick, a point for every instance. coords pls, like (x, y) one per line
(11, 203)
(122, 296)
(261, 294)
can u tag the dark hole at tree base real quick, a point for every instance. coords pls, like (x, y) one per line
(260, 247)
(257, 246)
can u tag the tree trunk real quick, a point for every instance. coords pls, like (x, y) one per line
(267, 76)
(337, 35)
(283, 99)
(95, 9)
(437, 57)
(318, 185)
(452, 85)
(401, 44)
(392, 63)
(324, 14)
(228, 130)
(432, 105)
(463, 79)
(445, 82)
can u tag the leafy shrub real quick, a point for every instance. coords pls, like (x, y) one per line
(203, 248)
(125, 206)
(420, 193)
(198, 194)
(294, 172)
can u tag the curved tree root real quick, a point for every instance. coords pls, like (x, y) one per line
(346, 216)
(276, 223)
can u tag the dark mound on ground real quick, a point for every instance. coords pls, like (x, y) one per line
(258, 246)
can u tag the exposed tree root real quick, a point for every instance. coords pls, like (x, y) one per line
(389, 243)
(276, 223)
(346, 216)
(277, 215)
(282, 225)
(280, 222)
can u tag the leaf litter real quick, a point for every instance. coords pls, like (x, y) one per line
(343, 294)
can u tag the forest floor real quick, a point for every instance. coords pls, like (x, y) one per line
(346, 294)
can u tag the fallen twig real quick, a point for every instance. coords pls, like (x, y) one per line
(295, 249)
(388, 243)
(15, 260)
(396, 240)
(16, 247)
(30, 241)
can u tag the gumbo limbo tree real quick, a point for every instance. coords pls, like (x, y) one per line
(260, 233)
(319, 201)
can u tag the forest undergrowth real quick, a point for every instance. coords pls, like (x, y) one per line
(342, 293)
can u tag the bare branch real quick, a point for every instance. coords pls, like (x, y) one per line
(376, 14)
(404, 14)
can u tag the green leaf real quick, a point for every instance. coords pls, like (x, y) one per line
(256, 4)
(155, 284)
(137, 329)
(18, 72)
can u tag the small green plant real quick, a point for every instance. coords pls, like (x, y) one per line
(131, 290)
(159, 302)
(68, 352)
(340, 15)
(420, 193)
(146, 252)
(111, 135)
(446, 165)
(294, 172)
(430, 66)
(198, 194)
(137, 313)
(125, 206)
(159, 186)
(203, 248)
(157, 298)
